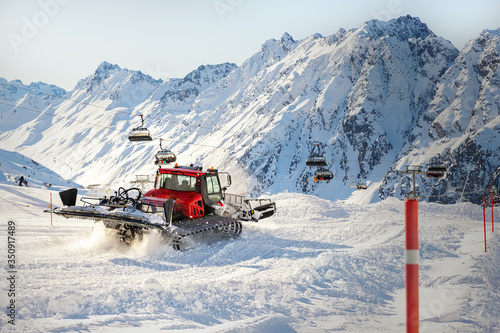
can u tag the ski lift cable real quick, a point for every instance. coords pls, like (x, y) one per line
(125, 131)
(122, 111)
(119, 111)
(57, 116)
(105, 108)
(110, 127)
(339, 179)
(128, 113)
(153, 118)
(64, 98)
(196, 144)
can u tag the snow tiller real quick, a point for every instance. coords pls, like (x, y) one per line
(187, 206)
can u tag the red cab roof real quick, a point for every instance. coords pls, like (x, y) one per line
(186, 170)
(182, 171)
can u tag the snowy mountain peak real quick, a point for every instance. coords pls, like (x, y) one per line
(483, 40)
(207, 74)
(47, 88)
(490, 33)
(273, 50)
(15, 89)
(286, 38)
(115, 83)
(287, 42)
(317, 35)
(106, 67)
(404, 28)
(180, 93)
(336, 36)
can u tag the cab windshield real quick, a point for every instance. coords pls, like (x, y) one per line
(177, 182)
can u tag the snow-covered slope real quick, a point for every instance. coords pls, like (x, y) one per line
(26, 100)
(84, 135)
(375, 99)
(316, 266)
(14, 165)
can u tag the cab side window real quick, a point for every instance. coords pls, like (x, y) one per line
(213, 189)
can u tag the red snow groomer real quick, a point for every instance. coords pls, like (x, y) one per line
(186, 205)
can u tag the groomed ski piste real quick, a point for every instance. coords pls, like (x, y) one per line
(315, 266)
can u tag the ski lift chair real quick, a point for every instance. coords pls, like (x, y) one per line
(164, 156)
(362, 186)
(436, 170)
(316, 159)
(140, 133)
(323, 174)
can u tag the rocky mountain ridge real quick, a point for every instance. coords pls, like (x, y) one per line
(376, 99)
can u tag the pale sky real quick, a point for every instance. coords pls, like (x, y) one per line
(62, 41)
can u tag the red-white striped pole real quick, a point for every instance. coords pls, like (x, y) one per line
(411, 265)
(484, 221)
(491, 197)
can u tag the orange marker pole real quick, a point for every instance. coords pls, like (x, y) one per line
(411, 265)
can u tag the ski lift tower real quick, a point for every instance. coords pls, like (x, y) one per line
(142, 179)
(412, 253)
(414, 170)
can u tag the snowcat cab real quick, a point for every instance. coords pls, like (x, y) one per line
(316, 159)
(196, 192)
(140, 133)
(164, 156)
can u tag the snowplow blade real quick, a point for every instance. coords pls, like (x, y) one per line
(262, 208)
(250, 209)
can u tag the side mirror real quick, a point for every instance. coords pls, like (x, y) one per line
(225, 180)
